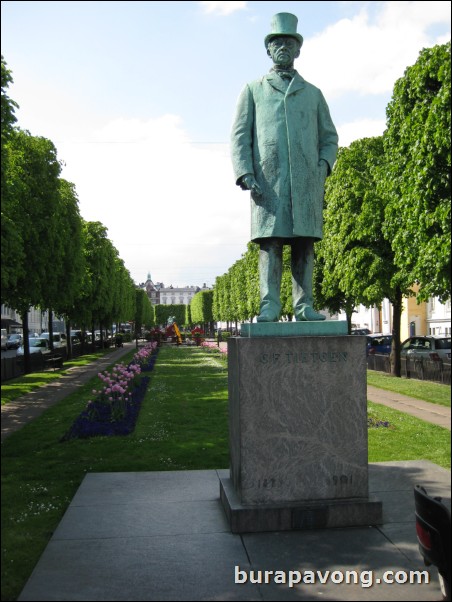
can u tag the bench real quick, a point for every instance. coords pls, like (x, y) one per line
(55, 360)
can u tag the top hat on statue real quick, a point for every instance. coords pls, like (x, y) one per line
(284, 24)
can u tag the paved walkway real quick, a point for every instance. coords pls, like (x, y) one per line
(164, 536)
(430, 412)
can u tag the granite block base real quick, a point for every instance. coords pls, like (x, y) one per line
(320, 514)
(298, 433)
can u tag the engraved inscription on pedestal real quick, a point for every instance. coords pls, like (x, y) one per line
(298, 419)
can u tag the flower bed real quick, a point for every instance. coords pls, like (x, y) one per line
(212, 345)
(115, 409)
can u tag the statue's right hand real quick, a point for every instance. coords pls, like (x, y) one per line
(248, 182)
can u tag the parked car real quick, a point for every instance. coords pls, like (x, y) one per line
(4, 338)
(379, 344)
(37, 345)
(59, 339)
(75, 338)
(80, 336)
(433, 535)
(14, 341)
(432, 347)
(361, 331)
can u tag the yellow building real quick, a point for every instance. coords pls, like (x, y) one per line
(414, 318)
(420, 319)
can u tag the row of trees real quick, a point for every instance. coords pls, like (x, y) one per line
(387, 212)
(387, 225)
(51, 257)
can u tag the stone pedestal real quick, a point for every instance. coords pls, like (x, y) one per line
(298, 434)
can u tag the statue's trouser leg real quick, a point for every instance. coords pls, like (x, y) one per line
(302, 265)
(270, 273)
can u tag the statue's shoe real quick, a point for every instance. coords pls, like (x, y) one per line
(266, 317)
(307, 314)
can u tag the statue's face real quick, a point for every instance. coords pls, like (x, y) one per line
(283, 50)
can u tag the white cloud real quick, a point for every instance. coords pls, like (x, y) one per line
(223, 8)
(362, 128)
(171, 207)
(367, 56)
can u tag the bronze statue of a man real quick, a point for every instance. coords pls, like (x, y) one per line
(284, 146)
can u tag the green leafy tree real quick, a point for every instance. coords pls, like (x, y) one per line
(188, 318)
(355, 255)
(69, 259)
(33, 195)
(201, 309)
(8, 106)
(8, 119)
(417, 179)
(141, 302)
(12, 244)
(218, 305)
(163, 312)
(251, 268)
(95, 300)
(123, 300)
(217, 299)
(328, 292)
(237, 297)
(148, 314)
(227, 308)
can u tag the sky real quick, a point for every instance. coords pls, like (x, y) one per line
(138, 99)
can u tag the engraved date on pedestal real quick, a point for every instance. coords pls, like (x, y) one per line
(343, 479)
(268, 483)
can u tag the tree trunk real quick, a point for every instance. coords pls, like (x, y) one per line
(93, 341)
(68, 340)
(50, 323)
(26, 335)
(397, 304)
(349, 314)
(101, 326)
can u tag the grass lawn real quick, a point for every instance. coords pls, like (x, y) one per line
(406, 438)
(419, 389)
(183, 425)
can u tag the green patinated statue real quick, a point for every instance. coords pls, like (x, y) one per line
(284, 145)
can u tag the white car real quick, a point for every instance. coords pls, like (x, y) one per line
(431, 347)
(37, 345)
(59, 339)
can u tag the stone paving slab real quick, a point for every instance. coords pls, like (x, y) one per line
(163, 536)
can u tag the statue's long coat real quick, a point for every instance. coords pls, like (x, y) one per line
(279, 135)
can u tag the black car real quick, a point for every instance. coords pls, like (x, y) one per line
(379, 344)
(361, 331)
